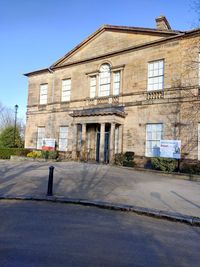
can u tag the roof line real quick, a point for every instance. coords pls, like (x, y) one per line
(178, 35)
(117, 28)
(131, 28)
(52, 67)
(36, 72)
(124, 50)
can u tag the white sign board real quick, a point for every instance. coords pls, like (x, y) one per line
(48, 144)
(170, 149)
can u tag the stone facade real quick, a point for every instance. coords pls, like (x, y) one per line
(102, 125)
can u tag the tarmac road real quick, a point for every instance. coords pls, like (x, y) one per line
(101, 182)
(52, 234)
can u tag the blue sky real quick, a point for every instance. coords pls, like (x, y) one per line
(35, 33)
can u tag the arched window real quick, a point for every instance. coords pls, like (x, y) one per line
(104, 80)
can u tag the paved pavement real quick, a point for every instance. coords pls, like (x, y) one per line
(101, 182)
(51, 234)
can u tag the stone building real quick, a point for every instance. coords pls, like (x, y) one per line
(121, 89)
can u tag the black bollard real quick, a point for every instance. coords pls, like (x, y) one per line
(50, 182)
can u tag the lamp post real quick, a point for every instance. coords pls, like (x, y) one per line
(14, 137)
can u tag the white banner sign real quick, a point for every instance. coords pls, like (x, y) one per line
(48, 144)
(170, 149)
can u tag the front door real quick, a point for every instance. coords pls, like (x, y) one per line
(106, 148)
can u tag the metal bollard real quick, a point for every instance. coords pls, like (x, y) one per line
(50, 182)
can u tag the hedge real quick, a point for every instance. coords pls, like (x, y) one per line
(125, 159)
(164, 164)
(44, 154)
(5, 153)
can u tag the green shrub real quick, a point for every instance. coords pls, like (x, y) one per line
(164, 164)
(126, 159)
(191, 168)
(44, 154)
(10, 137)
(53, 155)
(35, 154)
(129, 159)
(119, 158)
(5, 153)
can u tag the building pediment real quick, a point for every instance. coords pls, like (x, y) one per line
(109, 39)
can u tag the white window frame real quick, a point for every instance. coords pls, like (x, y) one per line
(156, 75)
(66, 90)
(43, 93)
(104, 80)
(63, 138)
(116, 82)
(154, 133)
(93, 86)
(40, 136)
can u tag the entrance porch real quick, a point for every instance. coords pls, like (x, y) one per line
(97, 138)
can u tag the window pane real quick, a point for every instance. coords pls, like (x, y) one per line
(66, 90)
(154, 133)
(116, 85)
(63, 138)
(43, 93)
(150, 66)
(93, 87)
(155, 75)
(40, 136)
(104, 80)
(117, 76)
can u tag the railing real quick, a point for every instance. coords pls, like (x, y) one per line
(155, 94)
(102, 100)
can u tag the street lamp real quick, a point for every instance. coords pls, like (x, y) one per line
(14, 137)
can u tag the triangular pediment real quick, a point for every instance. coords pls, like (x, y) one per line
(109, 39)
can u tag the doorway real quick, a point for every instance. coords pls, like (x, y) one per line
(106, 144)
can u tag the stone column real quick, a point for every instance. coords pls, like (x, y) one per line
(120, 139)
(83, 142)
(102, 140)
(74, 141)
(112, 143)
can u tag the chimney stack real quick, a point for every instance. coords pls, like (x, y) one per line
(162, 23)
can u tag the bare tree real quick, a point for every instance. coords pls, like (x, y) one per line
(195, 4)
(187, 85)
(6, 116)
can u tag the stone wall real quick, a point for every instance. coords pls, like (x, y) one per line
(177, 108)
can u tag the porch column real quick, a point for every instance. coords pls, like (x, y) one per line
(120, 139)
(83, 142)
(112, 143)
(102, 140)
(74, 141)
